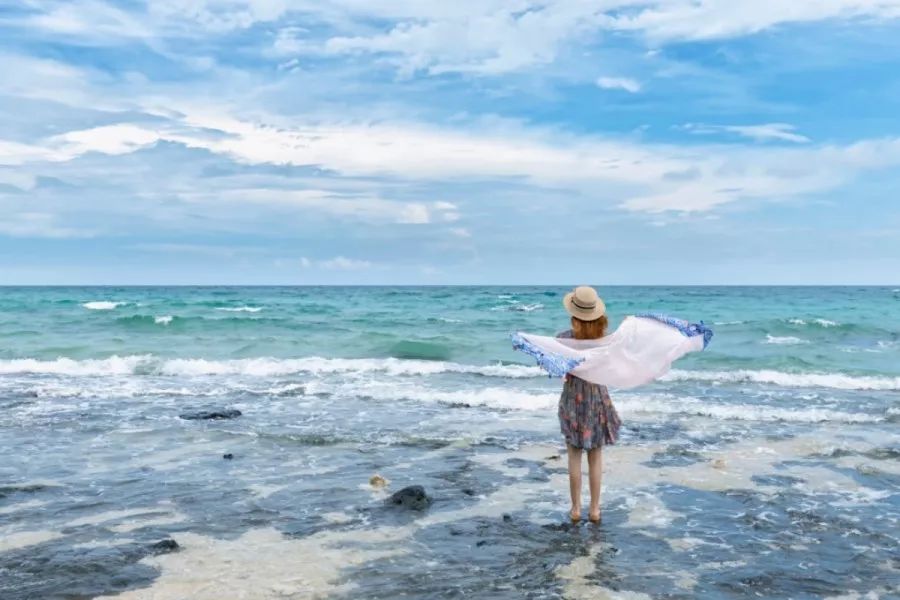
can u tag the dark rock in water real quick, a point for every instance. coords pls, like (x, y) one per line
(164, 546)
(230, 413)
(228, 456)
(468, 491)
(507, 517)
(480, 543)
(412, 497)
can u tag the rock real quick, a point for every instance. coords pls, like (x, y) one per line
(480, 543)
(164, 546)
(377, 481)
(412, 497)
(228, 413)
(228, 456)
(507, 517)
(468, 491)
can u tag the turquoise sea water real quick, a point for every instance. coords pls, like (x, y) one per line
(760, 466)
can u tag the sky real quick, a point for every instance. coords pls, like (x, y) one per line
(437, 142)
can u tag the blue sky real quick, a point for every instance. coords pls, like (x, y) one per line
(488, 141)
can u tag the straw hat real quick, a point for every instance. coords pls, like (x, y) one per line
(584, 303)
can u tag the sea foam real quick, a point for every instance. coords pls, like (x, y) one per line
(737, 412)
(114, 365)
(258, 367)
(249, 309)
(103, 305)
(269, 367)
(784, 341)
(819, 322)
(838, 381)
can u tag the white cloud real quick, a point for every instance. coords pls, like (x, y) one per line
(645, 176)
(220, 16)
(338, 263)
(197, 249)
(111, 139)
(619, 83)
(460, 232)
(363, 208)
(482, 37)
(499, 37)
(485, 42)
(99, 21)
(691, 20)
(784, 132)
(39, 225)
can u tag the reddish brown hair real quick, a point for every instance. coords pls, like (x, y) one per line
(589, 330)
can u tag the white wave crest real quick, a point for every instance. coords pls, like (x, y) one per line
(516, 306)
(256, 367)
(103, 305)
(163, 320)
(728, 322)
(838, 381)
(249, 309)
(819, 322)
(114, 365)
(788, 340)
(670, 405)
(265, 367)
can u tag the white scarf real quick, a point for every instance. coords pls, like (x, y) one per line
(642, 349)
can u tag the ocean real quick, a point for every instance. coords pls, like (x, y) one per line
(766, 466)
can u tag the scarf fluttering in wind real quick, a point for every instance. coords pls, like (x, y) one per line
(642, 349)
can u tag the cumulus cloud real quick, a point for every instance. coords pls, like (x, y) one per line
(498, 37)
(483, 37)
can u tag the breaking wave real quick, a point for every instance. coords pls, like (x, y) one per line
(260, 367)
(103, 305)
(838, 381)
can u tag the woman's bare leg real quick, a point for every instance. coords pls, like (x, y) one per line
(595, 474)
(575, 481)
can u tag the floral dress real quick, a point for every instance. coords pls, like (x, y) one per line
(587, 417)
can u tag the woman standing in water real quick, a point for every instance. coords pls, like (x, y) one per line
(587, 417)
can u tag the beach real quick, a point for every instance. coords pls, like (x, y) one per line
(766, 466)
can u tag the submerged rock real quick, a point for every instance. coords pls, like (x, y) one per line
(228, 456)
(164, 546)
(228, 413)
(412, 497)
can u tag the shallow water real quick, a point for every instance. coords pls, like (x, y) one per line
(766, 466)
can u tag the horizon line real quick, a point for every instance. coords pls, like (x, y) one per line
(423, 285)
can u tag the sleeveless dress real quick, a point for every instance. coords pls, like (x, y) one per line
(587, 417)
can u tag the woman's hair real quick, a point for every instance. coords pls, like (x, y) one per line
(589, 330)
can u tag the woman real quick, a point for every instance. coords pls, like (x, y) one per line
(587, 417)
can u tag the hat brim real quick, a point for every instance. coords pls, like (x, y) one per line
(580, 313)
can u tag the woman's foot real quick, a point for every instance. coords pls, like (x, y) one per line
(575, 514)
(594, 515)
